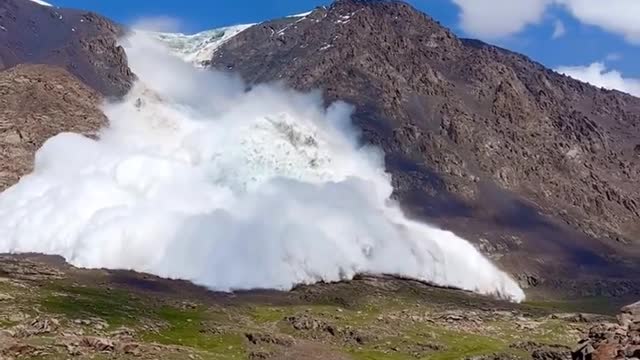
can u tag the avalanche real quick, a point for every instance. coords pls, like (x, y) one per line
(197, 178)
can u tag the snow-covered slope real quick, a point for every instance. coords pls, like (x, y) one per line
(40, 2)
(200, 47)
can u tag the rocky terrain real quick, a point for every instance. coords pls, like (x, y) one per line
(59, 65)
(36, 103)
(539, 169)
(49, 310)
(83, 43)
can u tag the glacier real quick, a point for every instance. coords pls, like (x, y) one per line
(200, 47)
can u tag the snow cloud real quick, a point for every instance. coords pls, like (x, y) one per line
(199, 179)
(160, 23)
(597, 74)
(501, 18)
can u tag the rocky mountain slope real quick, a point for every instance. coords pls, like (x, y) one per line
(36, 103)
(56, 66)
(81, 42)
(538, 168)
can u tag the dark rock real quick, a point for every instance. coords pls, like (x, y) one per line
(542, 354)
(613, 341)
(83, 43)
(258, 338)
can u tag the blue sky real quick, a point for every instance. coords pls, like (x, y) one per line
(581, 44)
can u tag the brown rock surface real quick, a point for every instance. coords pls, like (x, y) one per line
(606, 341)
(36, 103)
(83, 43)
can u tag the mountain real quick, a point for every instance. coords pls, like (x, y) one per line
(83, 43)
(538, 168)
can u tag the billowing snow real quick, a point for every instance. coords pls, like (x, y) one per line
(199, 179)
(200, 47)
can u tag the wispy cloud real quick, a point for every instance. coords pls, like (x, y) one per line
(597, 74)
(559, 30)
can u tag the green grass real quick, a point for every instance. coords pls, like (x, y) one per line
(115, 307)
(595, 305)
(187, 328)
(219, 333)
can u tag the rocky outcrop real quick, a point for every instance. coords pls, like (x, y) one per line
(480, 140)
(83, 43)
(607, 341)
(36, 103)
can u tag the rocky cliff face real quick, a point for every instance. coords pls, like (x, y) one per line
(36, 103)
(538, 168)
(56, 66)
(85, 44)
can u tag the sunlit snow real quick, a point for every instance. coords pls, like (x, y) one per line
(200, 47)
(40, 2)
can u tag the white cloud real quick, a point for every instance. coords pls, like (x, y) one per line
(613, 57)
(597, 74)
(558, 30)
(617, 16)
(500, 18)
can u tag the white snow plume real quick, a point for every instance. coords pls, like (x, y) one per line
(199, 179)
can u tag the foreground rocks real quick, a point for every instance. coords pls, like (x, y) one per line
(607, 341)
(51, 310)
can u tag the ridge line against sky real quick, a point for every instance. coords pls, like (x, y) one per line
(599, 41)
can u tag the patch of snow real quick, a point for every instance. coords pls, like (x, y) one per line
(305, 14)
(200, 47)
(40, 2)
(343, 19)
